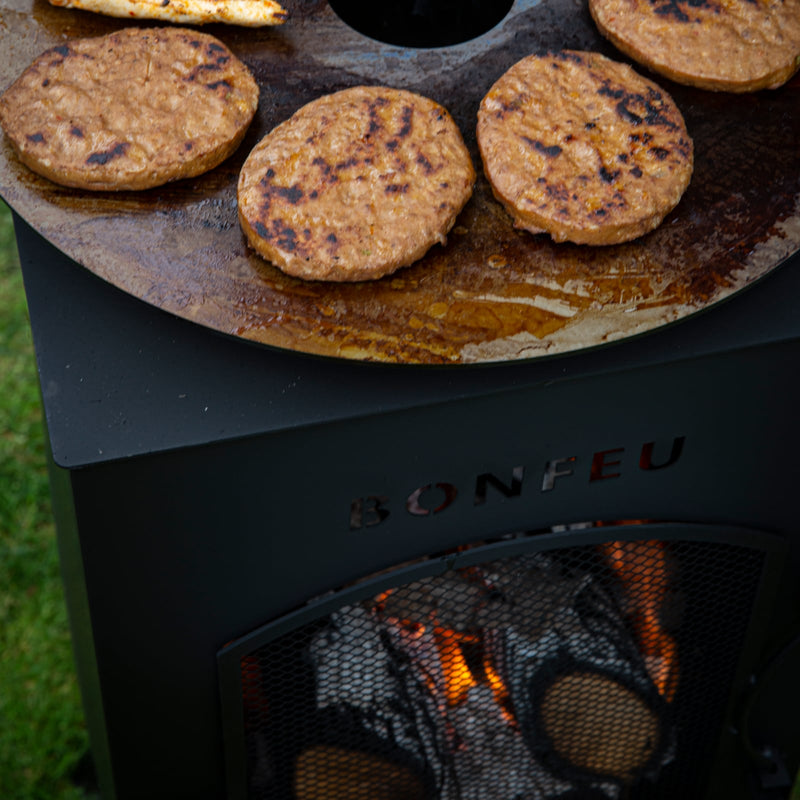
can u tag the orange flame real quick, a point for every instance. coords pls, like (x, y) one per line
(499, 690)
(642, 570)
(459, 674)
(458, 677)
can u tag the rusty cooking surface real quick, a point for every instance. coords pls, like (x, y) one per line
(492, 293)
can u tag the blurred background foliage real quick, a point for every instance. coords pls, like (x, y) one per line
(43, 741)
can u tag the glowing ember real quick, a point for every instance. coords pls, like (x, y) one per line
(458, 677)
(643, 571)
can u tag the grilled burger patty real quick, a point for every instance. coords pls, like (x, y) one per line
(355, 185)
(583, 148)
(722, 45)
(130, 110)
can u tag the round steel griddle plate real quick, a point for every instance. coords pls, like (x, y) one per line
(492, 293)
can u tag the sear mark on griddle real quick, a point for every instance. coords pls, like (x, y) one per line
(281, 234)
(333, 245)
(223, 84)
(426, 165)
(607, 176)
(405, 129)
(270, 191)
(507, 107)
(285, 236)
(556, 192)
(291, 194)
(636, 108)
(572, 56)
(684, 147)
(551, 151)
(660, 153)
(375, 122)
(675, 8)
(102, 157)
(60, 52)
(325, 168)
(640, 138)
(200, 69)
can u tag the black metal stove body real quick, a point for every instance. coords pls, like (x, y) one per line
(205, 487)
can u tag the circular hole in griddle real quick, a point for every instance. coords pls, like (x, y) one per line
(422, 23)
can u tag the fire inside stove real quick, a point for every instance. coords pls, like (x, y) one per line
(529, 677)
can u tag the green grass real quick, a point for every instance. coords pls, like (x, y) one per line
(42, 734)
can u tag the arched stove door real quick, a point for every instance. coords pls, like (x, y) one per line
(604, 660)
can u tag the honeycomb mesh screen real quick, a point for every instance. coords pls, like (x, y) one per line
(592, 672)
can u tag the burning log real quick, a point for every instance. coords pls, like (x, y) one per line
(516, 679)
(325, 772)
(599, 726)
